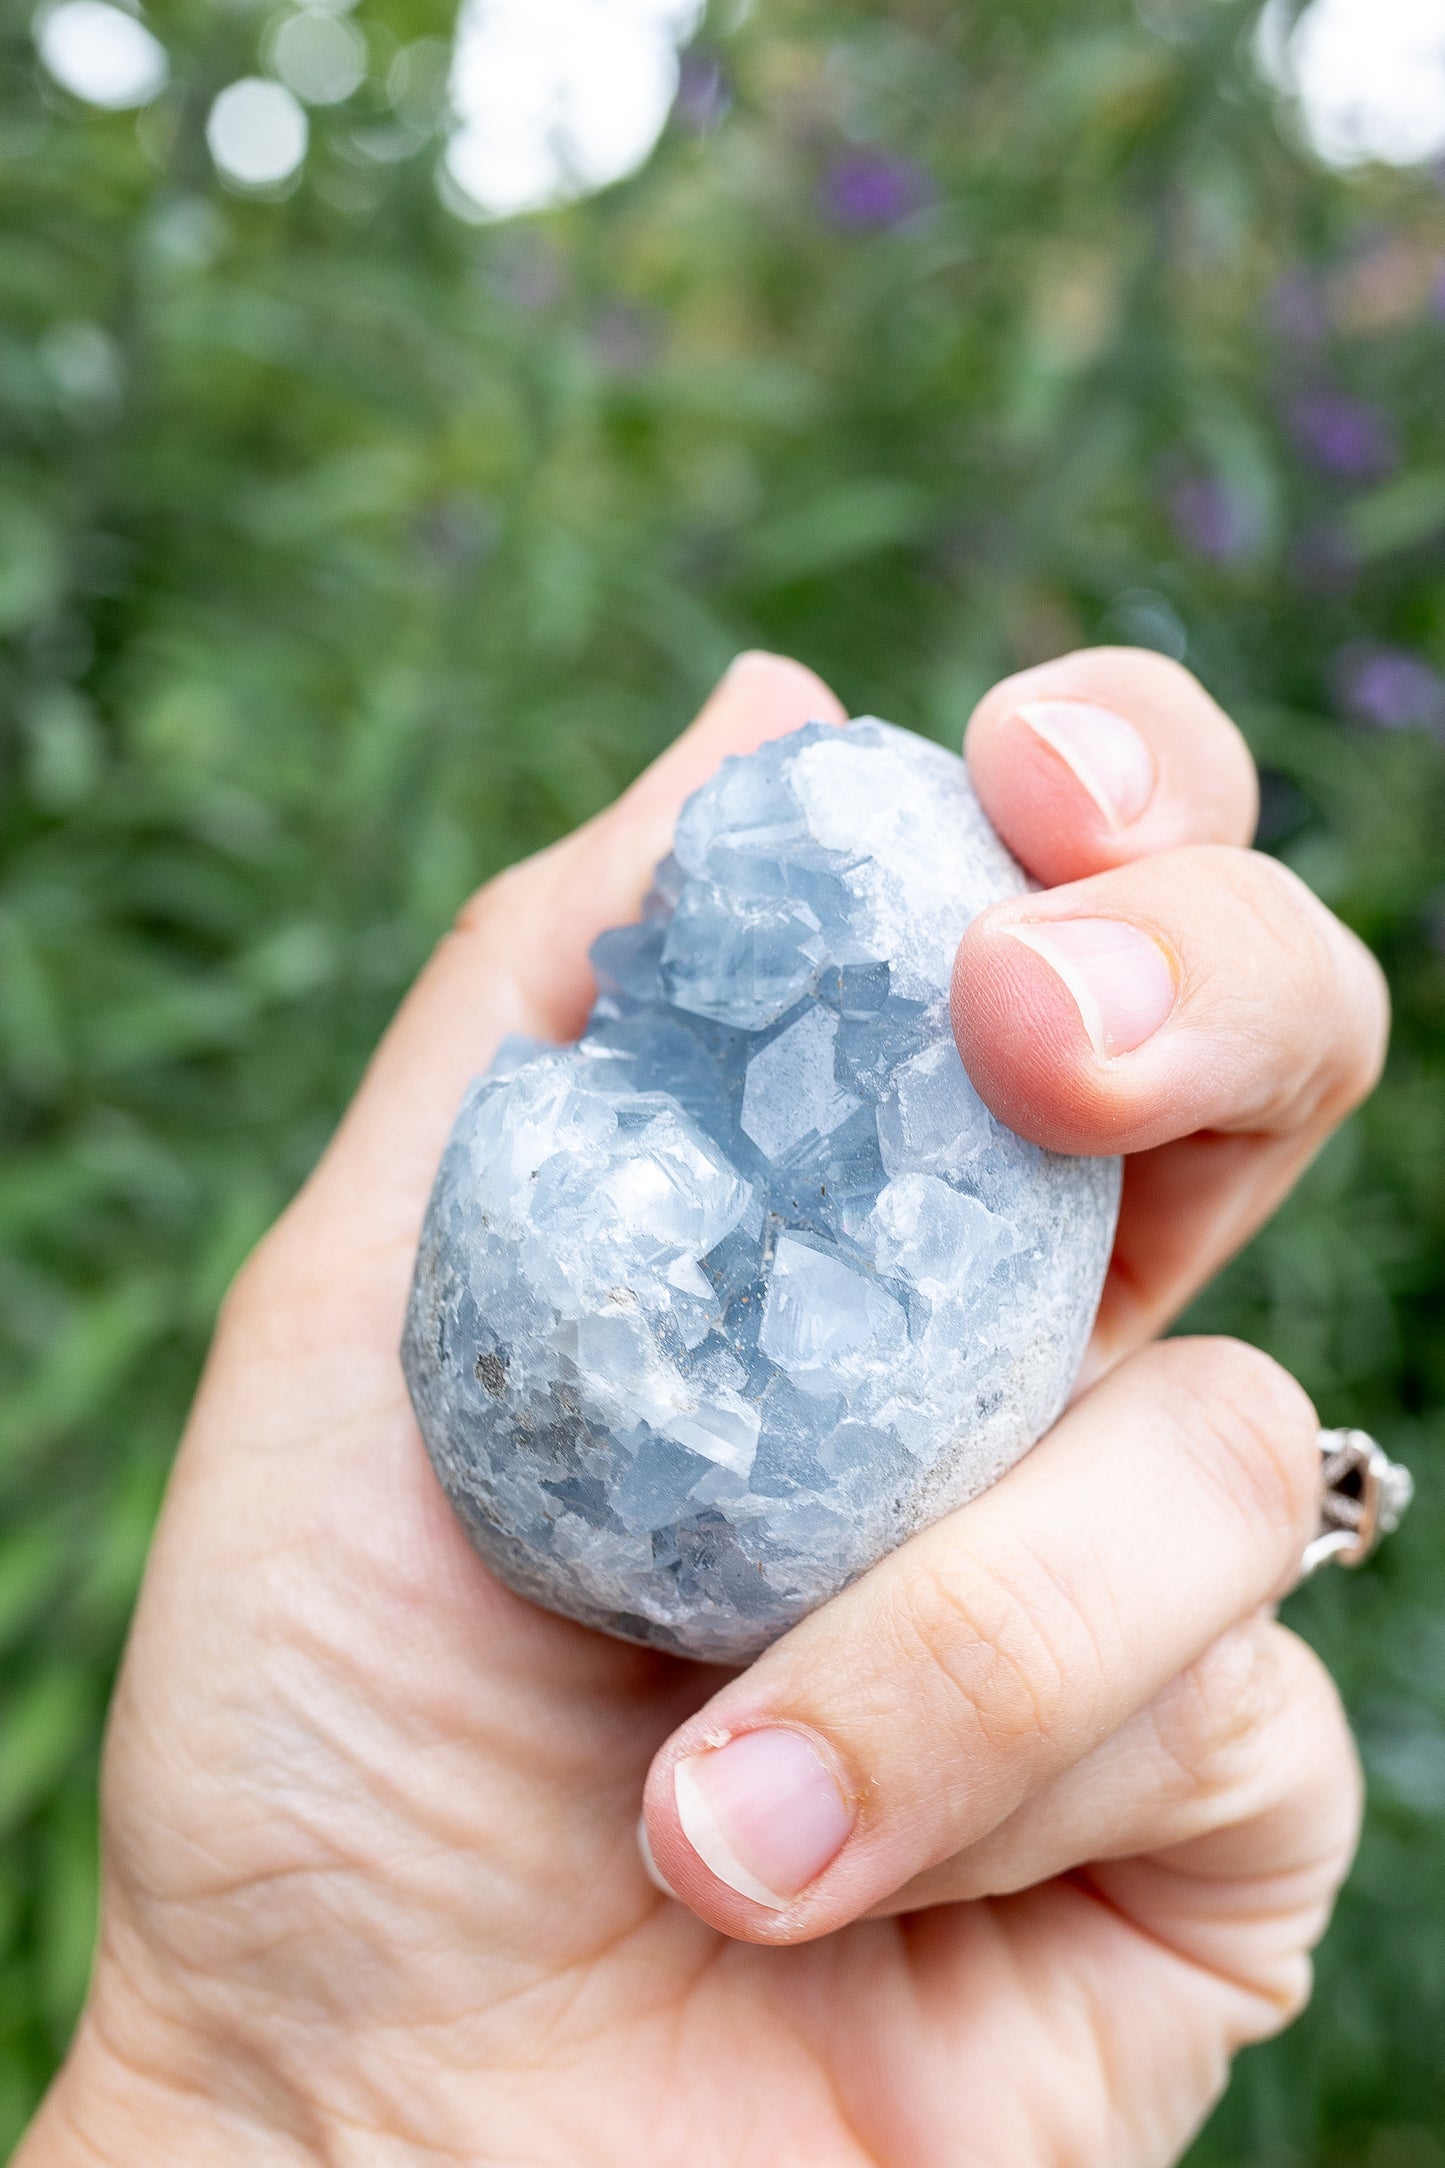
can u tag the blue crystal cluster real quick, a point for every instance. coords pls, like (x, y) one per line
(717, 1306)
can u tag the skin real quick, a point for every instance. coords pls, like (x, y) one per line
(371, 1891)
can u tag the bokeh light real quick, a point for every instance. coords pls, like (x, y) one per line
(319, 55)
(257, 133)
(1369, 76)
(556, 98)
(101, 54)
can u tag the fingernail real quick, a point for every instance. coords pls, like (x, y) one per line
(650, 1867)
(1121, 980)
(763, 1814)
(1105, 752)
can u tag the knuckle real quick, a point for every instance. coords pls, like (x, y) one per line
(1003, 1647)
(284, 1274)
(1256, 1720)
(482, 910)
(1216, 1724)
(1250, 1430)
(530, 884)
(253, 1285)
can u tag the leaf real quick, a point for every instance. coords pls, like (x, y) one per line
(31, 565)
(46, 1726)
(86, 1362)
(1399, 515)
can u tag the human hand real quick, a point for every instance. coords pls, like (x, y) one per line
(1045, 1812)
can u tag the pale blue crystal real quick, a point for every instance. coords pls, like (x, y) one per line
(717, 1306)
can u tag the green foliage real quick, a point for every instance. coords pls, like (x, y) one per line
(348, 550)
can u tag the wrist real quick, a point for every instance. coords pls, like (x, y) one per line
(113, 2107)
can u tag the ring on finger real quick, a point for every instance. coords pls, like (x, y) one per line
(1364, 1497)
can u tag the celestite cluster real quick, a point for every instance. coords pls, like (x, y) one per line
(717, 1306)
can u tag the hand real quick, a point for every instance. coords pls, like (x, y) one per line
(1039, 1819)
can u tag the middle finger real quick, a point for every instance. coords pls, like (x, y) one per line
(1200, 1010)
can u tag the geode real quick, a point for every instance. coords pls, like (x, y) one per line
(717, 1306)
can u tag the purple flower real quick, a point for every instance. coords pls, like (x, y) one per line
(1342, 435)
(1390, 688)
(1297, 308)
(865, 187)
(703, 97)
(1212, 519)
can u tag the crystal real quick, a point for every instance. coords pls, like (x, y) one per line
(718, 1306)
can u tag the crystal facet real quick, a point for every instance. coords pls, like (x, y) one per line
(717, 1306)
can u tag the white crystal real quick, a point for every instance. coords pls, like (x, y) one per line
(716, 1307)
(824, 1320)
(792, 1094)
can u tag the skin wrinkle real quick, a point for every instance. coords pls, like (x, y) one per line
(1197, 1717)
(1065, 2145)
(390, 1794)
(286, 2113)
(910, 1931)
(1279, 2011)
(787, 2017)
(1262, 1463)
(1090, 1619)
(1108, 2065)
(361, 1866)
(1215, 1709)
(1004, 1647)
(1107, 2091)
(466, 2058)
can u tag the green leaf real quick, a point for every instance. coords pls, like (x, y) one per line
(1399, 515)
(47, 1724)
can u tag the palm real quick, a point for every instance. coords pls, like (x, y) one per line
(422, 1792)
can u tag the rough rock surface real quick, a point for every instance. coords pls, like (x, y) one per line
(717, 1306)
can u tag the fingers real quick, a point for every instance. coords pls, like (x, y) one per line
(1108, 756)
(517, 958)
(914, 1714)
(1243, 1766)
(1204, 989)
(1199, 1010)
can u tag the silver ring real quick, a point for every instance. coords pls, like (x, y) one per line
(1364, 1498)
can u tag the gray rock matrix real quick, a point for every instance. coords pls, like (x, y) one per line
(717, 1306)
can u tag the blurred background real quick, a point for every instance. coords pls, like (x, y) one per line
(403, 420)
